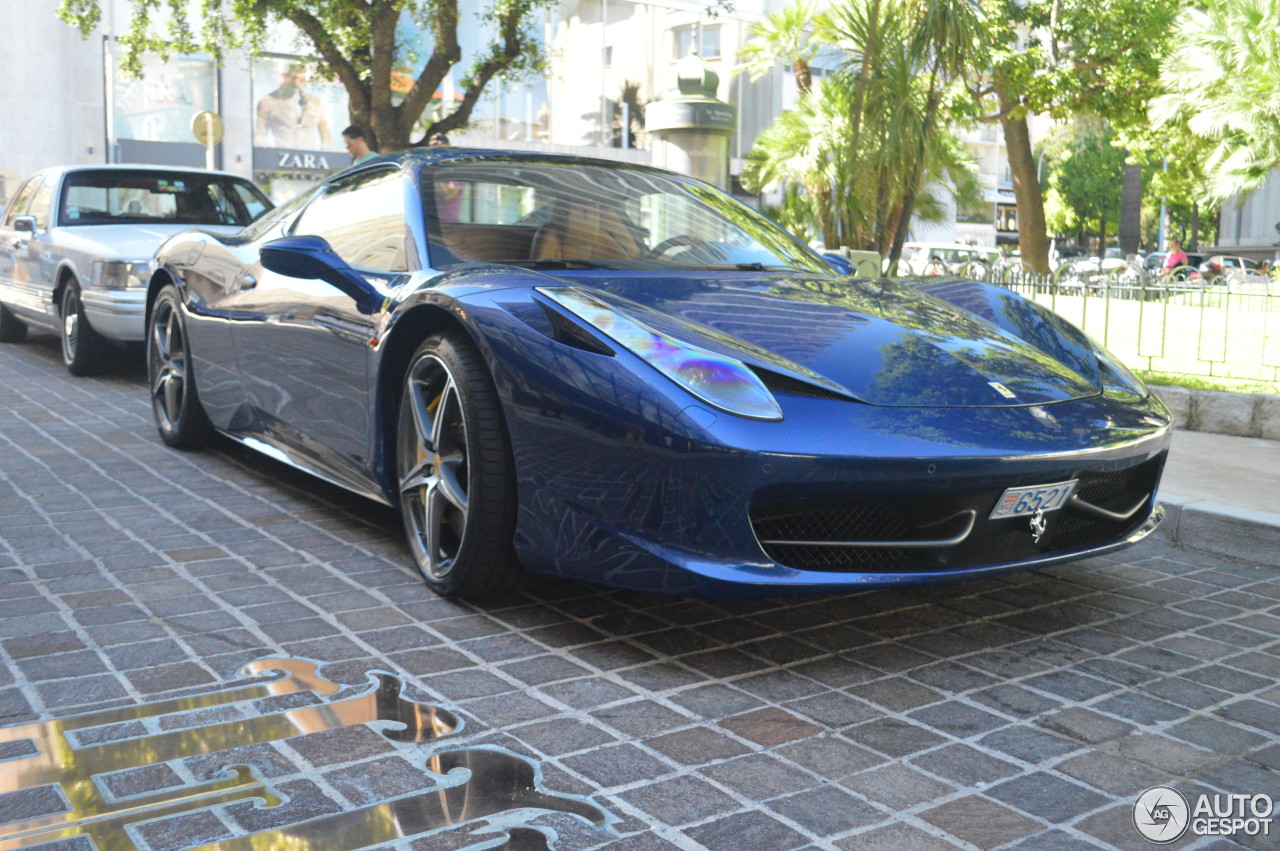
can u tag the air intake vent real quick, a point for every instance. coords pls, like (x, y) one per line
(785, 384)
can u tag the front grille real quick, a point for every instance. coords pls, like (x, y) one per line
(916, 519)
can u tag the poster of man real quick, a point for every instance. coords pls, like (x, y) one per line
(298, 110)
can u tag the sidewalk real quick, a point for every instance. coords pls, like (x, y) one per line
(1222, 494)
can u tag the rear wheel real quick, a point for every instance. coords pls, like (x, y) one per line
(175, 404)
(12, 329)
(454, 467)
(82, 347)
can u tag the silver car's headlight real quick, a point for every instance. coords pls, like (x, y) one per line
(121, 274)
(717, 380)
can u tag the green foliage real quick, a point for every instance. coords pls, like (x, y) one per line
(785, 35)
(1222, 82)
(1089, 176)
(1067, 57)
(866, 144)
(358, 42)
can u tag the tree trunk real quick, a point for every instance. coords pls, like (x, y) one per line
(1131, 210)
(1102, 240)
(1033, 240)
(1195, 227)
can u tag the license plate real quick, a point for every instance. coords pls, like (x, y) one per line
(1018, 502)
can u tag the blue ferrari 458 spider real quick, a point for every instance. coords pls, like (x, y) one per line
(573, 367)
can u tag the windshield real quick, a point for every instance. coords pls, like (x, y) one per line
(546, 215)
(119, 196)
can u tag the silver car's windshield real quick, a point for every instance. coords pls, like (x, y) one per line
(115, 196)
(549, 215)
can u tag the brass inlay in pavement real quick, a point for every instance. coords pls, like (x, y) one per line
(493, 780)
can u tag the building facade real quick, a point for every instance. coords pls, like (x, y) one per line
(608, 59)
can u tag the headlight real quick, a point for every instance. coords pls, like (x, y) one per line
(121, 274)
(717, 380)
(1115, 375)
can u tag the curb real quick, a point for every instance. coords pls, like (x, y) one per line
(1223, 412)
(1216, 527)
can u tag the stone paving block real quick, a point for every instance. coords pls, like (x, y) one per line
(769, 727)
(897, 786)
(830, 756)
(964, 765)
(616, 765)
(1084, 725)
(747, 830)
(1028, 744)
(893, 737)
(183, 831)
(697, 746)
(981, 821)
(759, 776)
(896, 838)
(1047, 797)
(827, 810)
(378, 780)
(681, 800)
(562, 736)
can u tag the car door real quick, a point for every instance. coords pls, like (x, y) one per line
(9, 236)
(25, 264)
(302, 345)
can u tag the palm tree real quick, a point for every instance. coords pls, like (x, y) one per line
(785, 35)
(866, 143)
(856, 195)
(1222, 79)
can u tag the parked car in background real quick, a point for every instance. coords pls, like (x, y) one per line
(1222, 269)
(947, 258)
(608, 372)
(76, 244)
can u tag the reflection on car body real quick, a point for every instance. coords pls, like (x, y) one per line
(557, 365)
(76, 246)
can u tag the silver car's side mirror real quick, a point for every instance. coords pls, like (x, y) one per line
(25, 223)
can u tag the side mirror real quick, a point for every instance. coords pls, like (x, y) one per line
(313, 257)
(25, 224)
(842, 265)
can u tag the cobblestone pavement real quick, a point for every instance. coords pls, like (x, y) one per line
(1021, 712)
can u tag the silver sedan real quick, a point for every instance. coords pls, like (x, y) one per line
(76, 244)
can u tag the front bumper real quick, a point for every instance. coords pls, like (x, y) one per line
(117, 314)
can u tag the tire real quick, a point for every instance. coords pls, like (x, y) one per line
(83, 349)
(455, 472)
(175, 404)
(12, 329)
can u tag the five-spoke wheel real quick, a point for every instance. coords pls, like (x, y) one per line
(174, 403)
(457, 490)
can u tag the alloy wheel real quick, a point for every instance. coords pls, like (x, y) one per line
(168, 365)
(433, 466)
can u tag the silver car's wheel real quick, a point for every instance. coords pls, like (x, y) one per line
(82, 347)
(457, 490)
(174, 402)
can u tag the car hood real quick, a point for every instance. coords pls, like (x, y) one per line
(882, 342)
(129, 242)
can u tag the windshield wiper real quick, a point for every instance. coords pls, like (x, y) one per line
(549, 263)
(736, 267)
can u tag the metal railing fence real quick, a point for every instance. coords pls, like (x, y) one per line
(1181, 323)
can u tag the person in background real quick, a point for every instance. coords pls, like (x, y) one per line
(438, 140)
(1177, 257)
(357, 144)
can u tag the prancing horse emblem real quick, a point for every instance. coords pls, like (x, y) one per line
(1038, 525)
